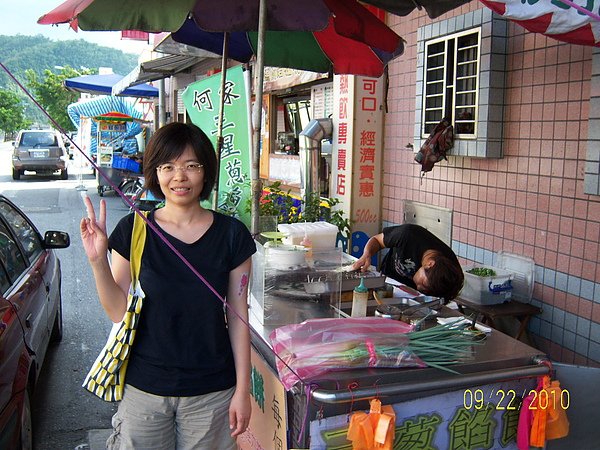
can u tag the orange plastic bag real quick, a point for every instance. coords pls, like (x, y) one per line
(374, 430)
(537, 435)
(557, 424)
(549, 418)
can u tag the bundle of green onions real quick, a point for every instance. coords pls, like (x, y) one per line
(439, 347)
(444, 345)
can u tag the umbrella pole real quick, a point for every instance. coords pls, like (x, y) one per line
(215, 202)
(257, 116)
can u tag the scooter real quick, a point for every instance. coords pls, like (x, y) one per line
(129, 187)
(142, 198)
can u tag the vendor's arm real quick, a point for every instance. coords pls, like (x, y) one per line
(374, 244)
(239, 335)
(112, 283)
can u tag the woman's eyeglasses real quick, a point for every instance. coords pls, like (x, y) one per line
(171, 169)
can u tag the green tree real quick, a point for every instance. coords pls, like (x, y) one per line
(11, 112)
(52, 95)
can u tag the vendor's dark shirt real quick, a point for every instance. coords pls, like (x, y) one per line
(407, 243)
(182, 346)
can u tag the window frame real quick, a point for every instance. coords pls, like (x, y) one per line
(493, 49)
(449, 89)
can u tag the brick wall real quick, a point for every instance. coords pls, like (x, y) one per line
(532, 201)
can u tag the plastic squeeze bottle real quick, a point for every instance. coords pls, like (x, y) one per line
(360, 296)
(306, 242)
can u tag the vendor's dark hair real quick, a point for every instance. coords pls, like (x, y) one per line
(168, 143)
(445, 278)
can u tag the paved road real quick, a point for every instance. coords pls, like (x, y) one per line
(62, 411)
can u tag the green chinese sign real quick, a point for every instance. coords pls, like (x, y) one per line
(201, 100)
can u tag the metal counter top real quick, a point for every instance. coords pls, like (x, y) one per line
(499, 358)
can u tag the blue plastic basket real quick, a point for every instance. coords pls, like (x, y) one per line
(119, 162)
(132, 166)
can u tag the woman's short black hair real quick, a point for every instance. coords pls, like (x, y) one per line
(168, 143)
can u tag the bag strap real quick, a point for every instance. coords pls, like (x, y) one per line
(138, 239)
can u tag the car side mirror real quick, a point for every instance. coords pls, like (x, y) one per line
(56, 239)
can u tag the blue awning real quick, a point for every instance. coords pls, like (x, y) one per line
(103, 84)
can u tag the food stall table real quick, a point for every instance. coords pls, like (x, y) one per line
(512, 308)
(314, 414)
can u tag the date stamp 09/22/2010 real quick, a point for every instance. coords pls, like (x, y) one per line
(511, 400)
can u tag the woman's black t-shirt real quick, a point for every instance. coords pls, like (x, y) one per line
(181, 346)
(407, 244)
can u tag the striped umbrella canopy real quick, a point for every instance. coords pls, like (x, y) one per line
(94, 107)
(563, 20)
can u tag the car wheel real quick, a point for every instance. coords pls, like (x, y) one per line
(26, 425)
(16, 174)
(64, 175)
(57, 328)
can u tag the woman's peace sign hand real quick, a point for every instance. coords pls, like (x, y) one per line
(93, 231)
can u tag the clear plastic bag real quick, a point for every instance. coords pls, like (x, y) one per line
(317, 346)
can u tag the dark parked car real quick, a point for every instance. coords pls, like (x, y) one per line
(41, 151)
(30, 317)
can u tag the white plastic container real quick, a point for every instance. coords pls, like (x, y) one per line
(523, 269)
(285, 257)
(489, 290)
(322, 235)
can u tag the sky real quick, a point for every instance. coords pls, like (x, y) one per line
(20, 17)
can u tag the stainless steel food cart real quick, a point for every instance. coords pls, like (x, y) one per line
(434, 408)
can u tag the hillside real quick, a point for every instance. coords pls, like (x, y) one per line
(19, 53)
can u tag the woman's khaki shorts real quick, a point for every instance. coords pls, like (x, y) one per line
(147, 421)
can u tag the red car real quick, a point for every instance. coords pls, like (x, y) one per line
(30, 316)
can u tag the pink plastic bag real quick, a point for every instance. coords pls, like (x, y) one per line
(316, 346)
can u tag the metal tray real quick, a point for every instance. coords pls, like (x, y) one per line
(343, 281)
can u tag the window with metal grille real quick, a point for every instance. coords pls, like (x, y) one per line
(451, 83)
(461, 74)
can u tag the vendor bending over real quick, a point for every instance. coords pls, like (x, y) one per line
(416, 258)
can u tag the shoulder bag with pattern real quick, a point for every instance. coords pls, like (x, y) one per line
(106, 378)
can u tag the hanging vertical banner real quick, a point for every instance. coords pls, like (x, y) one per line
(201, 101)
(343, 129)
(357, 154)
